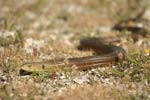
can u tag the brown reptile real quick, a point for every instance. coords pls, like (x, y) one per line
(106, 54)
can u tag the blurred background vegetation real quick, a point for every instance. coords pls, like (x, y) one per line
(51, 25)
(76, 13)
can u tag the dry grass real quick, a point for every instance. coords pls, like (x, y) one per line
(96, 92)
(47, 29)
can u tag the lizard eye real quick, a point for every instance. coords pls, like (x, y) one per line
(43, 66)
(29, 66)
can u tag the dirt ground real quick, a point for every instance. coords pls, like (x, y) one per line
(37, 30)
